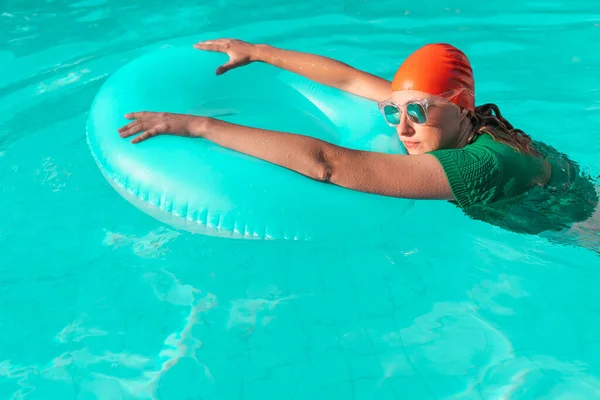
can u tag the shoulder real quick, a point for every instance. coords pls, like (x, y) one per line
(473, 173)
(488, 170)
(472, 159)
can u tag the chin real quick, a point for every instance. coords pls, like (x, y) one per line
(414, 152)
(414, 148)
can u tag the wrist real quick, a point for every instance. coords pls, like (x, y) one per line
(199, 126)
(260, 52)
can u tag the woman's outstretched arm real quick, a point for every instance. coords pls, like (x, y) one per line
(324, 70)
(417, 176)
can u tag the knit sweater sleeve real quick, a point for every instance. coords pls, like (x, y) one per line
(473, 172)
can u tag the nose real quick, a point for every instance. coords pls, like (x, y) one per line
(405, 128)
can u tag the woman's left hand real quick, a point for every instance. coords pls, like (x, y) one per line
(161, 123)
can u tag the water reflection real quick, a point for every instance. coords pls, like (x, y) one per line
(447, 307)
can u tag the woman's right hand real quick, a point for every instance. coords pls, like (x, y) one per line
(240, 53)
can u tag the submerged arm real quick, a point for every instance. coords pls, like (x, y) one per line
(418, 176)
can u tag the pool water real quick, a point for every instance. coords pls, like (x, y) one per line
(100, 301)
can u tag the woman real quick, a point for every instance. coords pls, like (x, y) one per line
(456, 151)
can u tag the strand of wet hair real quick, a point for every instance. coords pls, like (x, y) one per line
(487, 118)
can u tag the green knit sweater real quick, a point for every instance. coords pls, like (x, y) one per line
(492, 181)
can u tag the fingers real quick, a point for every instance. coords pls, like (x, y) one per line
(137, 126)
(142, 120)
(237, 56)
(131, 129)
(226, 67)
(149, 123)
(206, 46)
(136, 115)
(212, 45)
(150, 133)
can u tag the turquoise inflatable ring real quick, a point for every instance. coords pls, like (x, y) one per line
(196, 185)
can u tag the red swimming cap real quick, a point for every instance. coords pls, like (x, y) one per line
(436, 69)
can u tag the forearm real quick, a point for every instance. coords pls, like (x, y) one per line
(326, 71)
(299, 153)
(385, 174)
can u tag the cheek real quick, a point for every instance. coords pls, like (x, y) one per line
(444, 135)
(430, 136)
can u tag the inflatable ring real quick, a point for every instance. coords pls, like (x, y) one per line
(201, 187)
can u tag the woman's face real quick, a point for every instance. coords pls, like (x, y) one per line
(442, 128)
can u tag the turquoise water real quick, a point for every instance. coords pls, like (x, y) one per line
(100, 301)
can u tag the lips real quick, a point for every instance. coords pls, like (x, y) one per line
(410, 144)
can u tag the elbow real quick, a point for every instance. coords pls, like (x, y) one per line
(323, 173)
(325, 167)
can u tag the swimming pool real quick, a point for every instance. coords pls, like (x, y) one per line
(100, 301)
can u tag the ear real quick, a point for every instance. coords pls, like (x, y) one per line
(463, 113)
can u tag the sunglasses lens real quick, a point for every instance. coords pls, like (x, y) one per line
(391, 114)
(416, 113)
